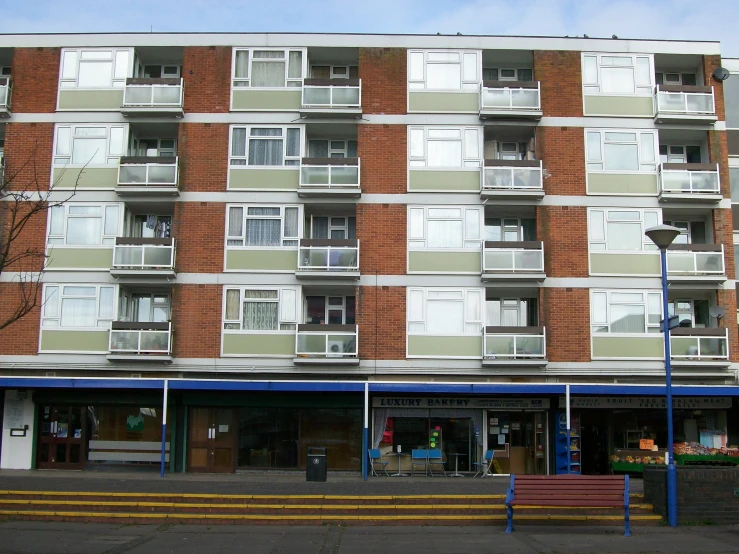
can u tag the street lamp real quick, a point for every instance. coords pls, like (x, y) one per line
(662, 236)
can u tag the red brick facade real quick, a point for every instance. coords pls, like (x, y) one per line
(562, 151)
(28, 155)
(384, 76)
(197, 315)
(20, 338)
(35, 79)
(560, 75)
(566, 315)
(381, 230)
(710, 64)
(199, 229)
(383, 155)
(203, 157)
(381, 317)
(564, 230)
(206, 73)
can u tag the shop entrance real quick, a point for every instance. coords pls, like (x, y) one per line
(520, 441)
(62, 437)
(211, 440)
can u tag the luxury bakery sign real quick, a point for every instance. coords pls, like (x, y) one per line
(636, 402)
(472, 403)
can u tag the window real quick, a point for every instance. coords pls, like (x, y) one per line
(93, 68)
(332, 227)
(260, 226)
(510, 229)
(621, 150)
(675, 78)
(443, 70)
(268, 309)
(320, 148)
(80, 145)
(505, 74)
(679, 153)
(621, 229)
(444, 227)
(617, 74)
(268, 68)
(265, 146)
(511, 312)
(83, 224)
(445, 311)
(78, 306)
(444, 147)
(613, 311)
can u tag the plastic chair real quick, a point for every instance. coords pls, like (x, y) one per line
(376, 458)
(435, 459)
(484, 465)
(419, 458)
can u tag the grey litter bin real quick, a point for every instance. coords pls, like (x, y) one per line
(315, 466)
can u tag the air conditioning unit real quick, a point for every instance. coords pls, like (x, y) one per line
(335, 348)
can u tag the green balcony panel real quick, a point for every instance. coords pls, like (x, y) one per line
(444, 262)
(85, 178)
(262, 260)
(602, 263)
(87, 100)
(450, 347)
(426, 101)
(245, 98)
(648, 346)
(74, 341)
(634, 106)
(441, 180)
(259, 344)
(79, 258)
(276, 179)
(628, 183)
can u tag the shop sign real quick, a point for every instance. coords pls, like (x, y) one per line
(656, 402)
(471, 403)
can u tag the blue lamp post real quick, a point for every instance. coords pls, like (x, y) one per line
(662, 236)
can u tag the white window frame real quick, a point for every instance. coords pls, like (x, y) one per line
(67, 210)
(54, 295)
(599, 237)
(604, 320)
(471, 237)
(289, 304)
(63, 155)
(294, 160)
(290, 82)
(592, 82)
(470, 71)
(648, 159)
(516, 71)
(473, 300)
(69, 74)
(471, 139)
(245, 216)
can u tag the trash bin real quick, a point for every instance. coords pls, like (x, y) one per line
(315, 466)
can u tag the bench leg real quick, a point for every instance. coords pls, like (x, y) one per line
(627, 522)
(509, 527)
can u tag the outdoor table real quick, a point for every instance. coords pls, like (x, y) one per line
(399, 455)
(456, 463)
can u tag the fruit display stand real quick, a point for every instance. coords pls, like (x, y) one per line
(691, 453)
(634, 461)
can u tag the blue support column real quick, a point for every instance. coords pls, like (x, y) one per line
(164, 429)
(671, 470)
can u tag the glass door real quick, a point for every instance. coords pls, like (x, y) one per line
(61, 441)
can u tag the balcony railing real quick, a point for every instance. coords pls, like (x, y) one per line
(695, 260)
(148, 171)
(326, 341)
(332, 94)
(328, 255)
(152, 254)
(513, 257)
(514, 343)
(141, 338)
(689, 179)
(329, 173)
(684, 100)
(698, 344)
(509, 96)
(153, 93)
(6, 87)
(512, 176)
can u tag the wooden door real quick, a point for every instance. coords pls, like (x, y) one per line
(211, 440)
(62, 441)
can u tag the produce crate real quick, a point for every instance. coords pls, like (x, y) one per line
(626, 467)
(695, 459)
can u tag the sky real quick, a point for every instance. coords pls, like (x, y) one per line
(663, 19)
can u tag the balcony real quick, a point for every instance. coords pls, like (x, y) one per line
(696, 263)
(328, 259)
(153, 98)
(143, 259)
(518, 346)
(148, 176)
(332, 98)
(326, 345)
(6, 87)
(513, 261)
(140, 341)
(699, 347)
(689, 183)
(510, 100)
(329, 178)
(516, 179)
(684, 104)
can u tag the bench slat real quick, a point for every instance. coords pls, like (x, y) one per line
(583, 503)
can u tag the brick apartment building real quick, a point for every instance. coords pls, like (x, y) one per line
(365, 241)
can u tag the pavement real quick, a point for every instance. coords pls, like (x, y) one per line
(29, 537)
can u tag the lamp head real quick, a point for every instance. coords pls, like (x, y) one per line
(662, 235)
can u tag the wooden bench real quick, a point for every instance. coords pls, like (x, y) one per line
(569, 491)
